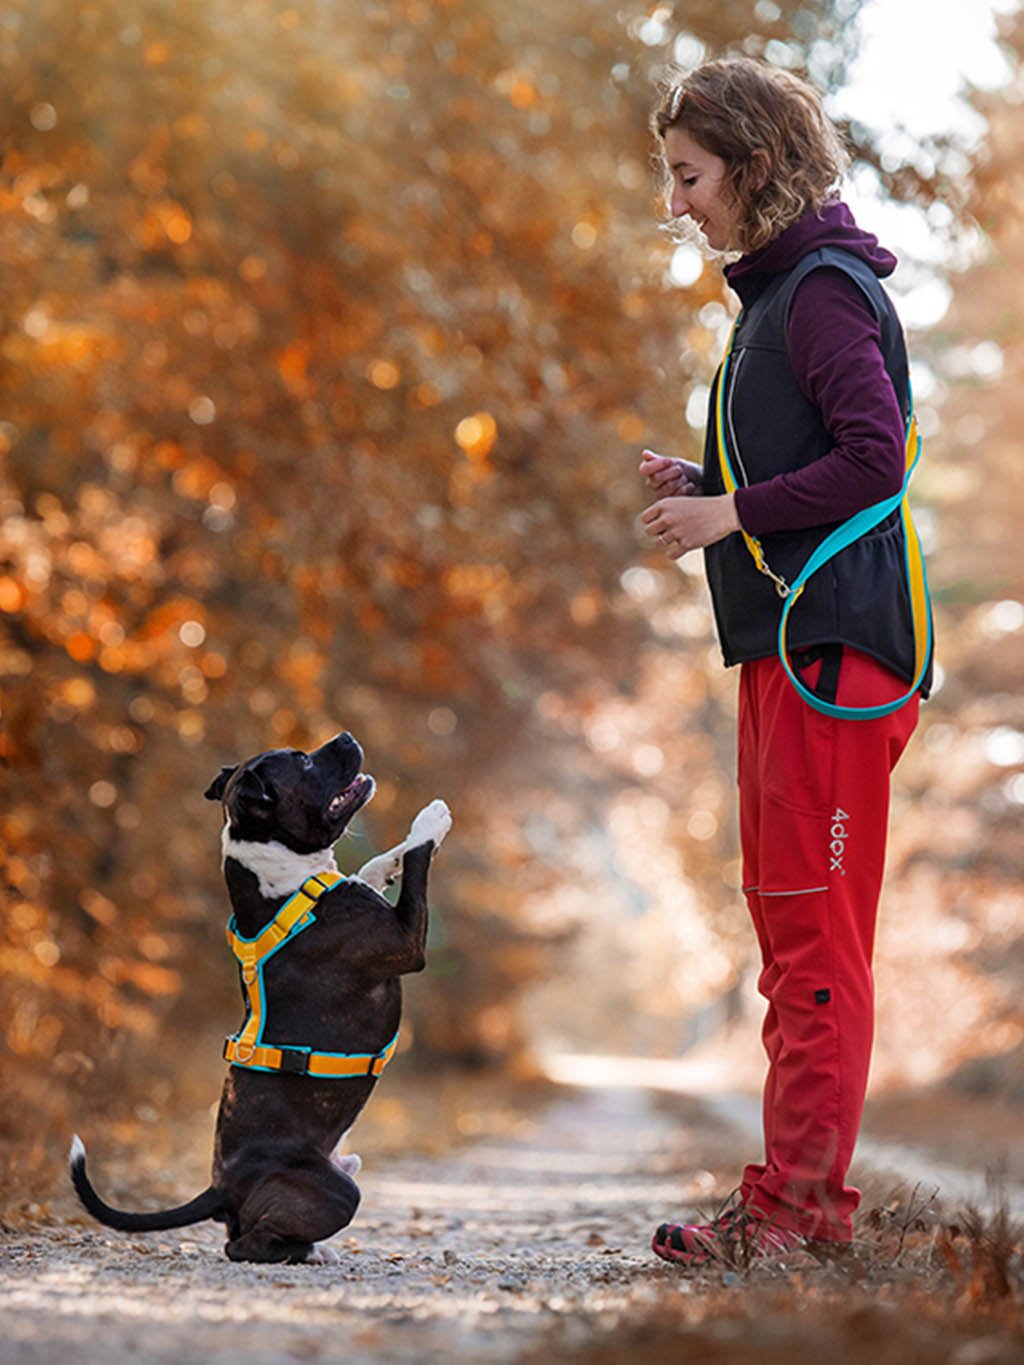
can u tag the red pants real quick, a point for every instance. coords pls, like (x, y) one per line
(814, 805)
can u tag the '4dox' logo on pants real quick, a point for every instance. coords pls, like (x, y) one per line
(838, 834)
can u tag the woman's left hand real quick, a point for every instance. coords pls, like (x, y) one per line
(689, 523)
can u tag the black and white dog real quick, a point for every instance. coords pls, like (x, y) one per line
(335, 989)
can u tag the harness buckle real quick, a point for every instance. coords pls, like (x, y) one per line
(294, 1060)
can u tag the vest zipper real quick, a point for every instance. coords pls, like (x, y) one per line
(737, 457)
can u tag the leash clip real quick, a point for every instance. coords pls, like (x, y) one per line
(781, 586)
(762, 566)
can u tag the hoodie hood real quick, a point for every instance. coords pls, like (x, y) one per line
(832, 225)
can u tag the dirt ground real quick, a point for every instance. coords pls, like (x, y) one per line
(528, 1241)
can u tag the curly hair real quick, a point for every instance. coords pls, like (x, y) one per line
(738, 107)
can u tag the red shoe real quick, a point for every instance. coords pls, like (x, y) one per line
(736, 1239)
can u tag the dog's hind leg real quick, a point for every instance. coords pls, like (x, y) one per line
(348, 1162)
(291, 1210)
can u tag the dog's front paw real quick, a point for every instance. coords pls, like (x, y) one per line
(433, 823)
(322, 1254)
(381, 871)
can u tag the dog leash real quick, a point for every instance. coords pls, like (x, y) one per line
(247, 1048)
(850, 530)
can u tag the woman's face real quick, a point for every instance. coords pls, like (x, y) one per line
(698, 185)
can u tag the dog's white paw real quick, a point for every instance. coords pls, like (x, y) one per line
(381, 871)
(323, 1254)
(433, 822)
(349, 1165)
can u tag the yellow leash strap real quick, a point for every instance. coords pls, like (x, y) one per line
(728, 477)
(917, 576)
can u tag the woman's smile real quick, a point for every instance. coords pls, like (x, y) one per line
(698, 180)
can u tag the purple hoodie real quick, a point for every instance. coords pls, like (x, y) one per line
(836, 357)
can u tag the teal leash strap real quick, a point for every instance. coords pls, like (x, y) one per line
(857, 525)
(844, 535)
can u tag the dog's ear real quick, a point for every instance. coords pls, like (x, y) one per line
(253, 794)
(215, 790)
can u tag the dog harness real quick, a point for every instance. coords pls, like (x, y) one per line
(247, 1047)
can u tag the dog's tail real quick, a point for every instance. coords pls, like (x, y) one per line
(209, 1204)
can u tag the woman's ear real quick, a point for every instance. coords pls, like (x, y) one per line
(761, 169)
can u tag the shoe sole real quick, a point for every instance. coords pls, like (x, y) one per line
(795, 1258)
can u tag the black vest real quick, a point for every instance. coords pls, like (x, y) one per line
(860, 597)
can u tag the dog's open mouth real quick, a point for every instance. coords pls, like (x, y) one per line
(348, 801)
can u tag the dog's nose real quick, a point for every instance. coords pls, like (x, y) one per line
(340, 744)
(346, 742)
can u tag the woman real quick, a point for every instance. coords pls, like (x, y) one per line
(813, 417)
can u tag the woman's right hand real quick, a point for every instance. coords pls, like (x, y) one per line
(670, 477)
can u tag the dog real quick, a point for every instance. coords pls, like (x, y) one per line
(330, 997)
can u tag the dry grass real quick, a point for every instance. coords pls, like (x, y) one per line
(921, 1283)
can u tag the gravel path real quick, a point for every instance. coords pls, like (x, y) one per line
(531, 1245)
(483, 1254)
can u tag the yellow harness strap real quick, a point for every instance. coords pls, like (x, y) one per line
(247, 1048)
(328, 1065)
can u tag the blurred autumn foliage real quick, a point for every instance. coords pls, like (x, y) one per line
(331, 334)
